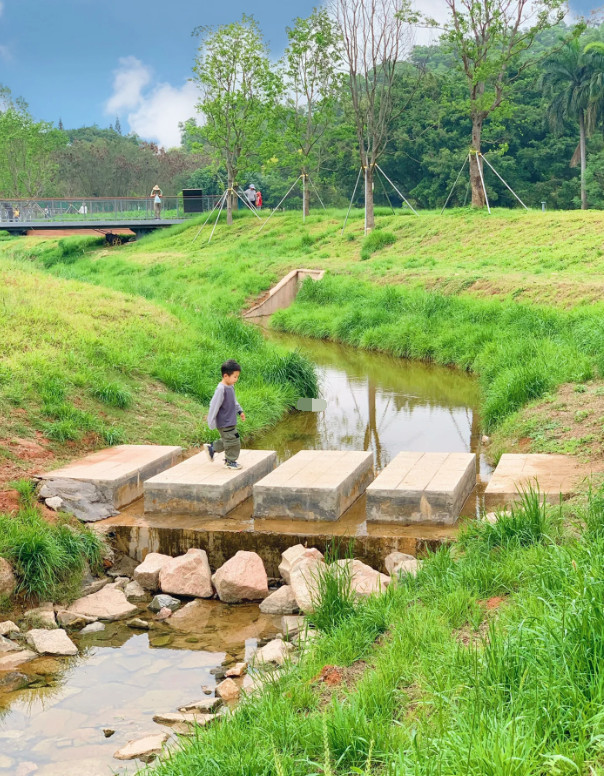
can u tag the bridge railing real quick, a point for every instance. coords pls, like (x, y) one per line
(102, 208)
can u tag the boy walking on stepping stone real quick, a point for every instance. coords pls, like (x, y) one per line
(223, 412)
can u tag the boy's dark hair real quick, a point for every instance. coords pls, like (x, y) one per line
(229, 367)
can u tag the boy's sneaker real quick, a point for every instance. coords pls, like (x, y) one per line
(232, 464)
(209, 451)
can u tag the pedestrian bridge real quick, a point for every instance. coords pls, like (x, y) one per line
(102, 214)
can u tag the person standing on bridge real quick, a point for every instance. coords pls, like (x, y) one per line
(156, 196)
(222, 415)
(250, 193)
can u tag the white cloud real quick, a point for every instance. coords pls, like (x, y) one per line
(130, 79)
(153, 110)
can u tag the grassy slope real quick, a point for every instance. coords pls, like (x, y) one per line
(490, 664)
(517, 293)
(89, 366)
(528, 699)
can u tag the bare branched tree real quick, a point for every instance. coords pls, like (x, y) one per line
(376, 35)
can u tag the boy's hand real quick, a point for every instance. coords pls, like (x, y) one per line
(242, 416)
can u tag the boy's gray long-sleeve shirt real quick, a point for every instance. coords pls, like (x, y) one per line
(224, 407)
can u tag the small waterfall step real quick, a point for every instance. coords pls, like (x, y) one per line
(200, 486)
(553, 475)
(119, 472)
(417, 487)
(314, 485)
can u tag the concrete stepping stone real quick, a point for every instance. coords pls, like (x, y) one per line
(200, 486)
(553, 475)
(119, 472)
(422, 488)
(314, 485)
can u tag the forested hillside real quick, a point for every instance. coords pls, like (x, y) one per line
(531, 139)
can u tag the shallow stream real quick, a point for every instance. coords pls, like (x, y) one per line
(123, 676)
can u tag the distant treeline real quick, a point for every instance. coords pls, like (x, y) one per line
(531, 139)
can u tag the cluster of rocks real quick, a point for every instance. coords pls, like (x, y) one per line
(159, 583)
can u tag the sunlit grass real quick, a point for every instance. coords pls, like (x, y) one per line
(48, 558)
(509, 690)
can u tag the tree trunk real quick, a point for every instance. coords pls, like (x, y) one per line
(369, 215)
(230, 197)
(305, 195)
(582, 152)
(478, 198)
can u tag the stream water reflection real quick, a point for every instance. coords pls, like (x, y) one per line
(380, 403)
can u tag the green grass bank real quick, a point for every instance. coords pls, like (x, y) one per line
(489, 662)
(513, 297)
(48, 558)
(86, 365)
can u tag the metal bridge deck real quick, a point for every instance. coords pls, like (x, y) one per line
(137, 225)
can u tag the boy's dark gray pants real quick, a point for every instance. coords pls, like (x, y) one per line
(229, 442)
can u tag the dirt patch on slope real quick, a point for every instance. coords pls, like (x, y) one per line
(570, 421)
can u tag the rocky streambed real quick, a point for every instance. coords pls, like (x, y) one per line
(149, 651)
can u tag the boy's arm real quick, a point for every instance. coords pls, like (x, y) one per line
(215, 405)
(240, 411)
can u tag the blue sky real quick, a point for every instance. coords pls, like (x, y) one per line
(86, 61)
(62, 55)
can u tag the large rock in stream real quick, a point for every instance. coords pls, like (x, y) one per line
(51, 642)
(8, 581)
(187, 575)
(242, 578)
(399, 564)
(108, 604)
(295, 555)
(147, 572)
(304, 581)
(281, 601)
(146, 748)
(364, 580)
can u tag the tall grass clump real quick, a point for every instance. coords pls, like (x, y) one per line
(48, 558)
(68, 249)
(529, 521)
(376, 241)
(333, 599)
(114, 394)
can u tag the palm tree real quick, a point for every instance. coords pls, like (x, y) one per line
(573, 80)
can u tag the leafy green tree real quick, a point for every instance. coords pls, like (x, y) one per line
(491, 41)
(27, 150)
(101, 163)
(572, 79)
(311, 65)
(238, 93)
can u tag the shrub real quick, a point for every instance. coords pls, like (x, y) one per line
(375, 241)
